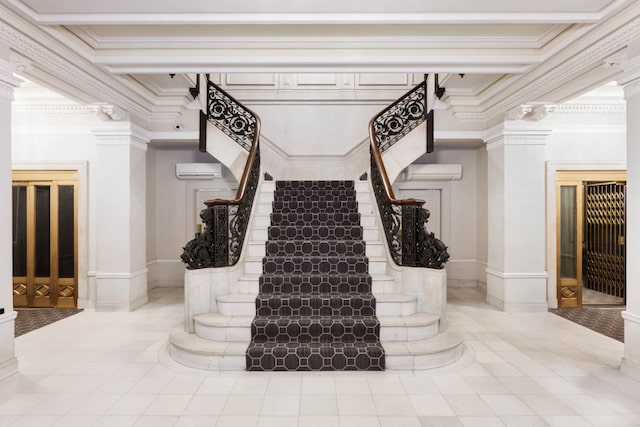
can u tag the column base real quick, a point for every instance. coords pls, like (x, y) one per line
(630, 364)
(121, 291)
(8, 361)
(517, 292)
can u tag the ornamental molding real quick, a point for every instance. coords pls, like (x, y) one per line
(164, 117)
(6, 91)
(530, 112)
(110, 113)
(502, 134)
(55, 64)
(525, 139)
(615, 108)
(632, 89)
(469, 116)
(53, 109)
(597, 52)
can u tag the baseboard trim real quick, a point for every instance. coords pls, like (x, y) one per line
(8, 368)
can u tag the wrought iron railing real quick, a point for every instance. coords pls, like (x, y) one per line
(400, 118)
(220, 243)
(404, 220)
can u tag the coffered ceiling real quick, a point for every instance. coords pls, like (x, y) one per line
(511, 52)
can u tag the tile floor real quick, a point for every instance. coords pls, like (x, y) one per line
(112, 369)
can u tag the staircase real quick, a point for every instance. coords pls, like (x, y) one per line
(315, 309)
(221, 303)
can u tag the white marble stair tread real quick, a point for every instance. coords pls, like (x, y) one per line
(395, 304)
(191, 350)
(441, 350)
(220, 320)
(413, 320)
(237, 304)
(218, 327)
(418, 326)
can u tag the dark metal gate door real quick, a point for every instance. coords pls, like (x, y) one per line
(604, 259)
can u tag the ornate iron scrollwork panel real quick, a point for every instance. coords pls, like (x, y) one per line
(230, 117)
(401, 118)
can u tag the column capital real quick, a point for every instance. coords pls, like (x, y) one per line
(630, 79)
(7, 79)
(116, 132)
(515, 133)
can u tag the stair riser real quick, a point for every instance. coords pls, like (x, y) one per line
(377, 267)
(334, 359)
(315, 306)
(317, 248)
(327, 206)
(330, 332)
(308, 288)
(334, 197)
(315, 233)
(223, 333)
(301, 219)
(320, 185)
(315, 266)
(404, 333)
(382, 309)
(395, 308)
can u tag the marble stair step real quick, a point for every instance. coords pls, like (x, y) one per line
(218, 327)
(386, 304)
(414, 327)
(318, 329)
(319, 184)
(315, 248)
(321, 218)
(315, 206)
(315, 265)
(315, 283)
(196, 352)
(331, 304)
(440, 350)
(315, 232)
(315, 357)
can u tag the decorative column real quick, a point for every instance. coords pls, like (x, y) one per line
(631, 81)
(8, 361)
(516, 276)
(121, 276)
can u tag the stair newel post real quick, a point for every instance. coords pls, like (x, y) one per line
(220, 233)
(409, 256)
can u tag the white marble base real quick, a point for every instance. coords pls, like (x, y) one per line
(8, 361)
(121, 291)
(517, 292)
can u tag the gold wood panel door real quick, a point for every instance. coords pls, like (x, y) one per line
(45, 254)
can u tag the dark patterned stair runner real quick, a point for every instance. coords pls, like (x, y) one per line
(315, 310)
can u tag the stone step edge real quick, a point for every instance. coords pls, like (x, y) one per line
(209, 354)
(380, 298)
(220, 320)
(444, 341)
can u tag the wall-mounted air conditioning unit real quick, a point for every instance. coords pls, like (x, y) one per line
(198, 170)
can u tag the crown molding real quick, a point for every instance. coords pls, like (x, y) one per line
(64, 68)
(52, 109)
(594, 54)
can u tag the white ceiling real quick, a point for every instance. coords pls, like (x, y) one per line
(511, 52)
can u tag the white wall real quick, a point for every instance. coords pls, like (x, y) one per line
(176, 204)
(458, 210)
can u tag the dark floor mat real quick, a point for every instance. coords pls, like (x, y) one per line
(30, 319)
(606, 320)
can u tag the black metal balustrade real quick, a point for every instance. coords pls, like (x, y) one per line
(404, 220)
(219, 244)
